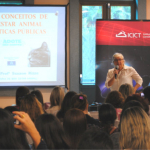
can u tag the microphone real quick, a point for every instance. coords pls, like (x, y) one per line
(116, 67)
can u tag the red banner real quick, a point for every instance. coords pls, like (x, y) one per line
(127, 33)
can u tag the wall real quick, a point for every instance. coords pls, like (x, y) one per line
(148, 9)
(142, 9)
(51, 2)
(74, 45)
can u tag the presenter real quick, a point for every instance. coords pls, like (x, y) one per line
(121, 74)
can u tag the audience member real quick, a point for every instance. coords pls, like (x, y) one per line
(126, 90)
(66, 105)
(56, 98)
(135, 129)
(115, 136)
(11, 108)
(21, 136)
(27, 125)
(39, 96)
(115, 139)
(74, 124)
(146, 92)
(52, 131)
(107, 117)
(32, 106)
(117, 100)
(130, 104)
(20, 92)
(8, 134)
(72, 110)
(80, 101)
(95, 139)
(140, 99)
(22, 139)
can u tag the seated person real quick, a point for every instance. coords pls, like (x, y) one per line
(134, 129)
(95, 138)
(75, 125)
(66, 105)
(140, 99)
(27, 125)
(32, 106)
(56, 98)
(107, 117)
(146, 92)
(52, 131)
(116, 135)
(20, 93)
(117, 100)
(80, 101)
(126, 90)
(39, 96)
(11, 108)
(10, 138)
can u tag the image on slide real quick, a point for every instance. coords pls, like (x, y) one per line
(39, 57)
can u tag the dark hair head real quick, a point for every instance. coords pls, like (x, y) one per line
(20, 135)
(146, 92)
(57, 96)
(51, 131)
(140, 99)
(74, 124)
(107, 114)
(32, 106)
(66, 104)
(22, 139)
(130, 104)
(11, 109)
(79, 101)
(38, 95)
(94, 138)
(115, 98)
(8, 138)
(20, 92)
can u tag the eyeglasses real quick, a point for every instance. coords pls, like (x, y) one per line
(116, 60)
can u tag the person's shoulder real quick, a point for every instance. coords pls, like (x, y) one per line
(128, 67)
(111, 70)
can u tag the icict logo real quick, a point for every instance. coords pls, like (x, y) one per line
(122, 34)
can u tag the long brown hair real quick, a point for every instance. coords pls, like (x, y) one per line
(74, 124)
(57, 96)
(32, 106)
(115, 98)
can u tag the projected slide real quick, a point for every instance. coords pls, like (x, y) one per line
(32, 46)
(132, 39)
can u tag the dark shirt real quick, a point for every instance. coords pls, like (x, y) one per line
(42, 145)
(92, 121)
(115, 138)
